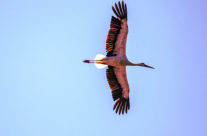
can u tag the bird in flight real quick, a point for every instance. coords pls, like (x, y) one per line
(116, 59)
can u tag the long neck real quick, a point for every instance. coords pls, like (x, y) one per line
(128, 63)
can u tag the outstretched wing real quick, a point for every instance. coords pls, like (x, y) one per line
(117, 35)
(118, 83)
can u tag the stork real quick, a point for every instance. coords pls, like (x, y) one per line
(116, 59)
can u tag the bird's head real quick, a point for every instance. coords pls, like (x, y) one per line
(144, 65)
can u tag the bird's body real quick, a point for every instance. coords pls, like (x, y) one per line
(116, 58)
(115, 61)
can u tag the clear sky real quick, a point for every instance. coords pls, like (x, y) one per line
(46, 90)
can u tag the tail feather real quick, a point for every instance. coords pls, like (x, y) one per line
(99, 57)
(97, 61)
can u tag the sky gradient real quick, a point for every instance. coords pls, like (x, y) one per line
(46, 90)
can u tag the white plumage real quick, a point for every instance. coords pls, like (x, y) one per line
(99, 65)
(116, 59)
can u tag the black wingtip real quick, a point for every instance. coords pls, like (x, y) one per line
(120, 10)
(116, 94)
(122, 105)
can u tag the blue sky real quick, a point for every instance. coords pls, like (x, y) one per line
(46, 90)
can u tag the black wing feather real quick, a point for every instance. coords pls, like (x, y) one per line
(121, 104)
(120, 11)
(115, 27)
